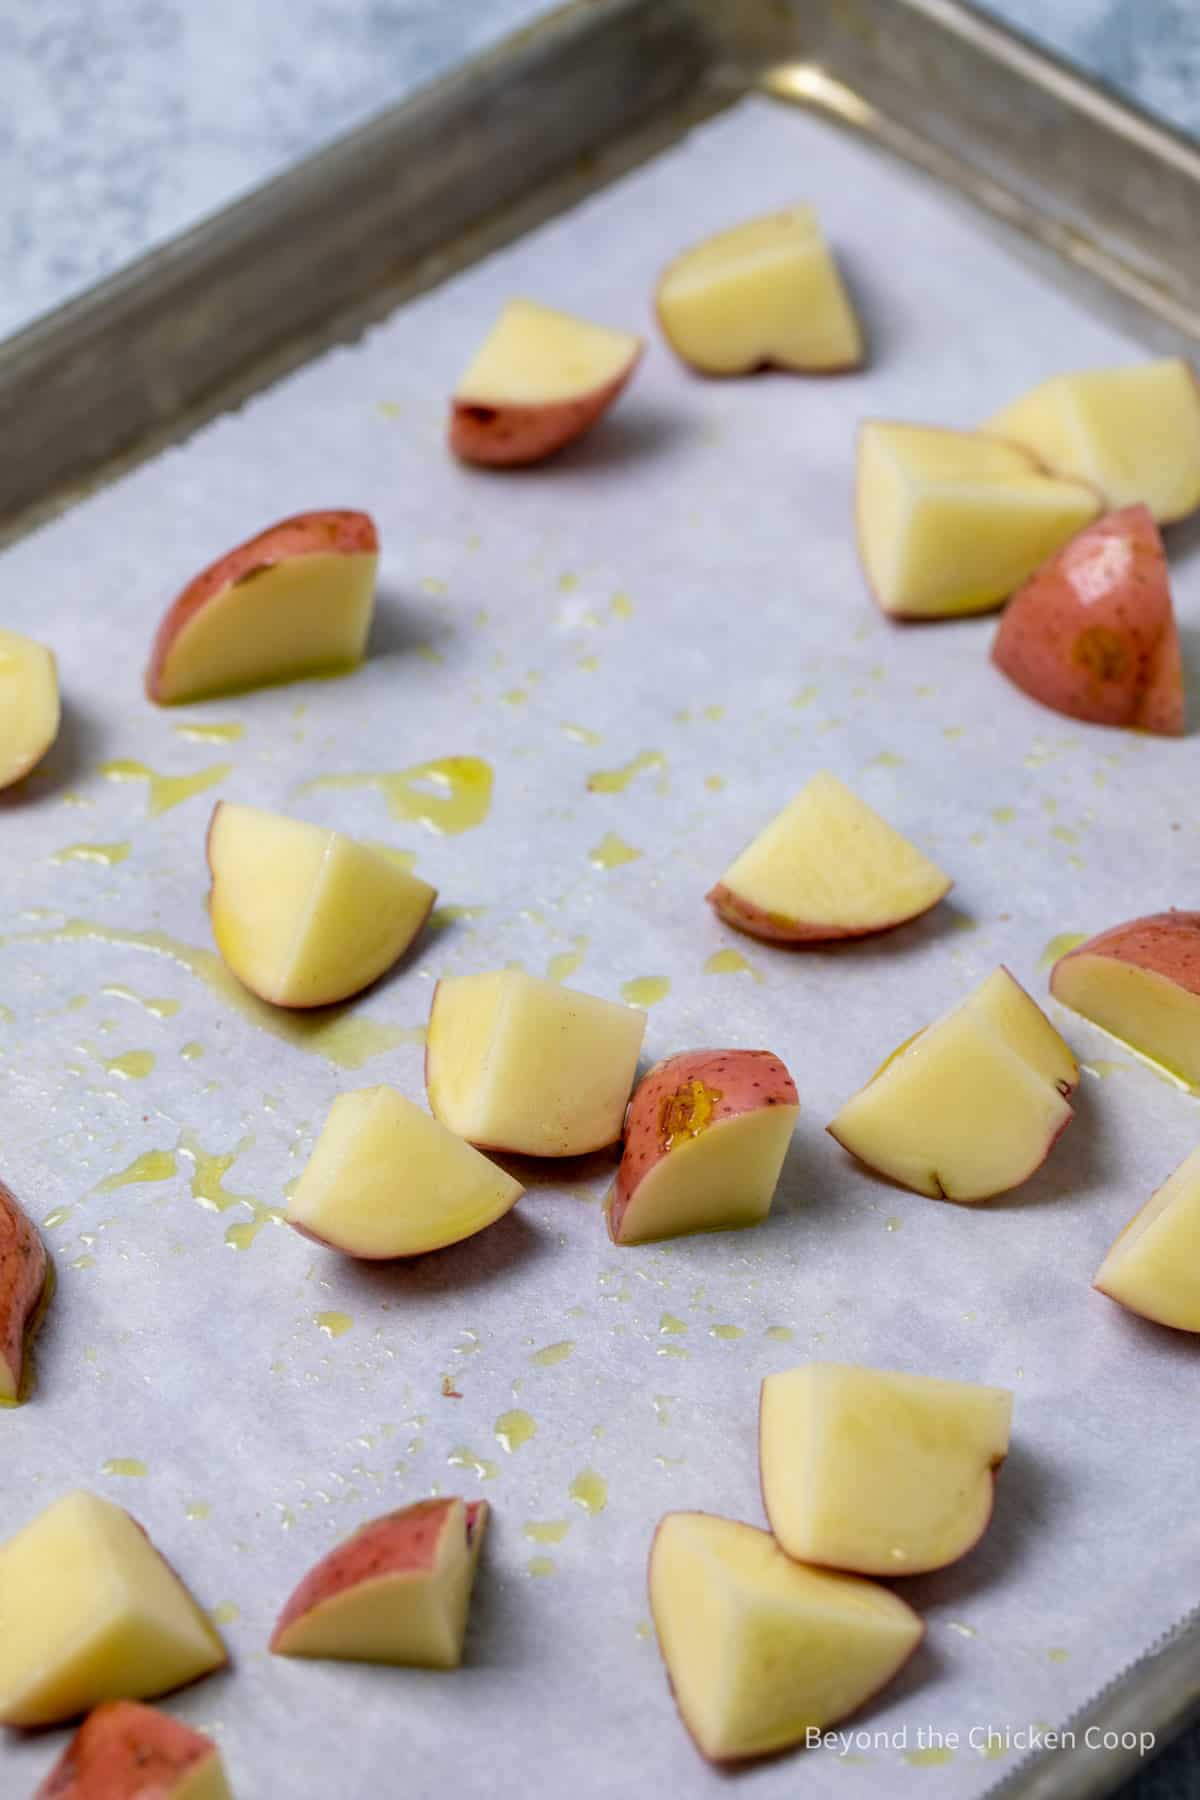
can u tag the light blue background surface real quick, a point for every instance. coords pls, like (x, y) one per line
(124, 121)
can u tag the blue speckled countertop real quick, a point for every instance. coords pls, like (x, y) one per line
(124, 121)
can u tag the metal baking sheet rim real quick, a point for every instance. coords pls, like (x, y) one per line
(63, 355)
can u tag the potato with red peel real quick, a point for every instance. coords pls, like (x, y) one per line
(1092, 634)
(24, 1274)
(1153, 1268)
(1141, 982)
(826, 867)
(295, 600)
(397, 1591)
(539, 380)
(705, 1138)
(124, 1751)
(29, 705)
(879, 1472)
(761, 1650)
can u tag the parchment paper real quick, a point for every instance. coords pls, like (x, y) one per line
(747, 654)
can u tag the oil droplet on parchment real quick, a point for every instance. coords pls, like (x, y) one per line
(1103, 1066)
(730, 962)
(463, 1458)
(963, 1630)
(192, 1052)
(668, 1323)
(337, 1034)
(211, 734)
(450, 794)
(580, 734)
(166, 791)
(553, 1353)
(782, 1334)
(228, 1612)
(589, 1490)
(514, 1429)
(546, 1531)
(621, 606)
(124, 1465)
(727, 1332)
(208, 1189)
(1003, 815)
(107, 854)
(615, 781)
(645, 990)
(134, 1065)
(541, 1566)
(566, 962)
(611, 852)
(1059, 946)
(197, 1509)
(932, 1757)
(160, 1009)
(333, 1324)
(893, 1224)
(155, 1165)
(1058, 1655)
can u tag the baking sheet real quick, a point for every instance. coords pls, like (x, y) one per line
(683, 588)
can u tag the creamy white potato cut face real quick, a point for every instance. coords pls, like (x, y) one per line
(92, 1612)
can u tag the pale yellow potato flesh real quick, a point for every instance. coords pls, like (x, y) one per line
(829, 866)
(304, 615)
(1153, 1267)
(1152, 1014)
(386, 1180)
(722, 1180)
(91, 1612)
(205, 1783)
(957, 1113)
(302, 915)
(29, 705)
(537, 356)
(951, 522)
(882, 1473)
(759, 1648)
(516, 1063)
(1133, 433)
(764, 292)
(1025, 1027)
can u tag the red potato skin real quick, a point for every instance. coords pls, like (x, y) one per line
(1166, 943)
(508, 436)
(734, 1081)
(125, 1751)
(400, 1543)
(734, 1762)
(24, 1270)
(1092, 634)
(885, 1568)
(772, 928)
(338, 532)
